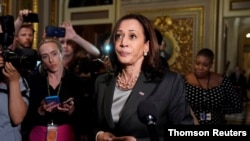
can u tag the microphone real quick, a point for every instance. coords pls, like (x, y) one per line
(147, 114)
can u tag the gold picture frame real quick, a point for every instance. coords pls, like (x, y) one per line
(184, 27)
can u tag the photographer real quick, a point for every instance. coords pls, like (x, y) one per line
(14, 93)
(24, 36)
(16, 63)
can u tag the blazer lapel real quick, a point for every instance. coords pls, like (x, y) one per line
(108, 99)
(141, 91)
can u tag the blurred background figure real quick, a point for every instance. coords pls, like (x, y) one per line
(239, 81)
(164, 56)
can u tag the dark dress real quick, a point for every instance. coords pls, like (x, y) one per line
(214, 102)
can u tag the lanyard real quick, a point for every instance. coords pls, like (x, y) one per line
(58, 91)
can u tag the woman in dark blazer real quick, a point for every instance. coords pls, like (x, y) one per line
(138, 87)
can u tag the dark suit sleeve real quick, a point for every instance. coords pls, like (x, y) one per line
(171, 102)
(179, 110)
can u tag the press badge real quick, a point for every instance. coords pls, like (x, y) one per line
(208, 116)
(51, 132)
(205, 116)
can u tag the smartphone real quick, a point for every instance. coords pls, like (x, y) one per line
(68, 101)
(54, 31)
(31, 17)
(50, 99)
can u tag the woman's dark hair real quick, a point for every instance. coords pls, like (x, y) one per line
(151, 61)
(159, 36)
(207, 53)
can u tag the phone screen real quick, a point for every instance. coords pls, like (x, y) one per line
(50, 99)
(53, 31)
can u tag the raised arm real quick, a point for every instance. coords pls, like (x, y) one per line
(18, 23)
(86, 45)
(19, 20)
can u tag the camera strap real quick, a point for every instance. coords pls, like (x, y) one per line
(4, 91)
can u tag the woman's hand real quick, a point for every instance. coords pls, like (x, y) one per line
(124, 138)
(67, 106)
(104, 136)
(50, 107)
(22, 13)
(70, 33)
(10, 72)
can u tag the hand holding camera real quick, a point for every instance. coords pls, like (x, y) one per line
(26, 15)
(10, 72)
(23, 13)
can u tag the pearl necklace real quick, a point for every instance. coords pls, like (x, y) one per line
(125, 85)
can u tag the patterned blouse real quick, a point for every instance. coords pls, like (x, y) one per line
(211, 105)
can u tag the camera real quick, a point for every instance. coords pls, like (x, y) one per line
(22, 63)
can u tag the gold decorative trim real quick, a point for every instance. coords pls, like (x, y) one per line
(54, 12)
(179, 32)
(35, 25)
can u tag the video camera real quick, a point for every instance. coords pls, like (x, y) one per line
(22, 63)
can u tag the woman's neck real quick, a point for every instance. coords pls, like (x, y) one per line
(55, 77)
(130, 73)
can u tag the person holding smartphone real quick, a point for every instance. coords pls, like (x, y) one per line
(55, 97)
(75, 46)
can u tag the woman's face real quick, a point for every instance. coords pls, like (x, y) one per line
(51, 56)
(130, 42)
(202, 66)
(67, 48)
